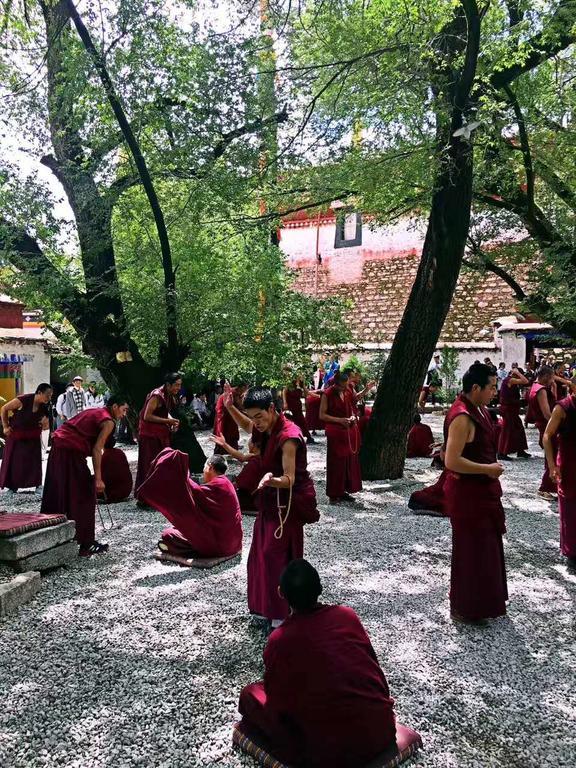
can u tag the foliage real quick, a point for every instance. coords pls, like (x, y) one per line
(448, 367)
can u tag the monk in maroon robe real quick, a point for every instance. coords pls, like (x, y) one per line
(473, 494)
(430, 500)
(206, 519)
(562, 466)
(116, 475)
(512, 437)
(286, 501)
(292, 398)
(540, 404)
(246, 483)
(313, 422)
(420, 440)
(337, 411)
(324, 701)
(22, 459)
(69, 487)
(156, 425)
(224, 422)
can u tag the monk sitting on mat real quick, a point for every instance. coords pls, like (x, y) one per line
(420, 440)
(206, 518)
(324, 701)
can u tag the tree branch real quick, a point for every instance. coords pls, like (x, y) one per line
(487, 264)
(560, 188)
(524, 145)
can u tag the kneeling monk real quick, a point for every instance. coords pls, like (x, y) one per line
(69, 488)
(22, 459)
(286, 501)
(324, 701)
(473, 500)
(206, 518)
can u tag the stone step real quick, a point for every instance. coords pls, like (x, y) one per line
(18, 591)
(26, 544)
(50, 558)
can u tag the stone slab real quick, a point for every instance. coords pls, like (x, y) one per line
(27, 544)
(21, 589)
(50, 558)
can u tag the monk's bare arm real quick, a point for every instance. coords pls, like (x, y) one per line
(542, 398)
(284, 399)
(324, 416)
(558, 416)
(288, 465)
(10, 407)
(105, 432)
(219, 440)
(149, 414)
(243, 421)
(518, 379)
(461, 431)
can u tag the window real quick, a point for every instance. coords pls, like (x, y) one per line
(348, 229)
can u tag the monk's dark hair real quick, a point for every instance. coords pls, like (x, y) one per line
(172, 378)
(44, 387)
(545, 370)
(417, 418)
(340, 377)
(218, 463)
(300, 585)
(258, 397)
(480, 374)
(115, 399)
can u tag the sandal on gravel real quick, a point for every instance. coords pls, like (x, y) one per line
(87, 550)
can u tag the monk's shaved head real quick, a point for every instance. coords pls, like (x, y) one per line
(218, 464)
(300, 585)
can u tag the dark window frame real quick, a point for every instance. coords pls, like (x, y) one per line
(339, 238)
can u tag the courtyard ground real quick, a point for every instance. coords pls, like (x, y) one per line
(121, 661)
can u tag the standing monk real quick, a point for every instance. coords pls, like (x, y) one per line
(562, 468)
(472, 491)
(512, 435)
(224, 423)
(22, 460)
(292, 399)
(540, 404)
(69, 487)
(286, 501)
(156, 424)
(337, 411)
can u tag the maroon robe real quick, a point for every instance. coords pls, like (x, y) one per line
(365, 417)
(206, 516)
(22, 459)
(478, 575)
(420, 439)
(313, 412)
(69, 485)
(512, 437)
(567, 485)
(225, 425)
(294, 405)
(274, 545)
(431, 498)
(535, 416)
(116, 475)
(247, 482)
(152, 437)
(324, 701)
(342, 446)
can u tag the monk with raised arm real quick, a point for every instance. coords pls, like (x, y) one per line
(561, 432)
(324, 701)
(246, 483)
(225, 425)
(23, 419)
(473, 494)
(540, 404)
(512, 437)
(156, 424)
(69, 487)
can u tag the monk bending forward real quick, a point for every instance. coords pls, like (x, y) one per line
(206, 518)
(472, 492)
(324, 701)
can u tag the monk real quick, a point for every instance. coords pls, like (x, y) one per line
(313, 422)
(512, 437)
(70, 488)
(420, 440)
(246, 484)
(286, 501)
(430, 500)
(116, 475)
(337, 411)
(540, 404)
(292, 400)
(324, 701)
(156, 424)
(224, 422)
(562, 468)
(23, 419)
(206, 519)
(472, 489)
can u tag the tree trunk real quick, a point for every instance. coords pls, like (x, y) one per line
(384, 449)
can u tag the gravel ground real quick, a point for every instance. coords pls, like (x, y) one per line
(121, 661)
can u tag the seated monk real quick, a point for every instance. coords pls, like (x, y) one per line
(206, 518)
(246, 484)
(420, 440)
(116, 475)
(324, 701)
(430, 500)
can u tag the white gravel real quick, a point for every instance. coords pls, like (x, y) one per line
(121, 661)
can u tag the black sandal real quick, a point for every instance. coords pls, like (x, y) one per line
(87, 550)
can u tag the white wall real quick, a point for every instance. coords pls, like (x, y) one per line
(37, 370)
(513, 349)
